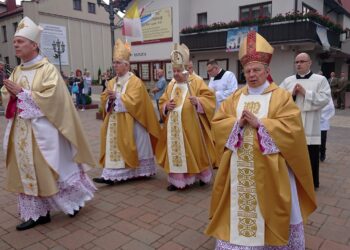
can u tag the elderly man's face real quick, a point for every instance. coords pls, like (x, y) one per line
(24, 48)
(178, 75)
(120, 67)
(302, 64)
(256, 74)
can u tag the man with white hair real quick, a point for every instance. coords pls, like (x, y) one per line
(186, 148)
(46, 151)
(130, 129)
(263, 189)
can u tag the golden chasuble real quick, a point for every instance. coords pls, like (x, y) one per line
(284, 125)
(247, 223)
(175, 144)
(114, 157)
(23, 143)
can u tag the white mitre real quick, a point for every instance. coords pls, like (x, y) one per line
(28, 29)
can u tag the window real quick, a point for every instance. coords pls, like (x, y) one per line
(202, 18)
(255, 11)
(18, 60)
(347, 32)
(4, 34)
(77, 4)
(92, 8)
(306, 9)
(240, 73)
(15, 26)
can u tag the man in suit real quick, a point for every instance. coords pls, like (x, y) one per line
(341, 91)
(333, 83)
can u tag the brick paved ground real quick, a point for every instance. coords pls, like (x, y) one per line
(143, 215)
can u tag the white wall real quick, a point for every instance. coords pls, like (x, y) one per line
(217, 11)
(285, 58)
(6, 49)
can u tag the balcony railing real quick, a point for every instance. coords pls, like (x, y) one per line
(275, 33)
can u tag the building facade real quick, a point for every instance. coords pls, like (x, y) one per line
(81, 24)
(288, 37)
(85, 29)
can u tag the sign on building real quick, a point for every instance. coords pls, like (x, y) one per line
(49, 35)
(235, 36)
(158, 28)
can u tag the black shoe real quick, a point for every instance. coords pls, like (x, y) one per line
(103, 181)
(202, 183)
(322, 158)
(74, 213)
(171, 188)
(31, 223)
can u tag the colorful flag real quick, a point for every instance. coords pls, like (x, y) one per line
(132, 29)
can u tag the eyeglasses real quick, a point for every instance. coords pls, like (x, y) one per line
(210, 69)
(301, 61)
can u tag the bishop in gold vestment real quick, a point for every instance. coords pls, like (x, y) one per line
(130, 129)
(182, 151)
(263, 191)
(46, 151)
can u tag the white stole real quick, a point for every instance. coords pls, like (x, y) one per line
(23, 143)
(247, 225)
(175, 138)
(114, 158)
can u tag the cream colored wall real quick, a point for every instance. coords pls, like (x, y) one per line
(88, 35)
(65, 8)
(6, 49)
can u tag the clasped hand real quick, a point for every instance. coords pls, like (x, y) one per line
(111, 95)
(298, 89)
(171, 104)
(248, 118)
(12, 87)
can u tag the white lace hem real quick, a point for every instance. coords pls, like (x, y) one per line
(147, 168)
(72, 194)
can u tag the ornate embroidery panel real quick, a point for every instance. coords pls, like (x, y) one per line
(175, 139)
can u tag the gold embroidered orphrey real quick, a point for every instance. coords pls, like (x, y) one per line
(114, 157)
(247, 223)
(253, 107)
(21, 25)
(176, 145)
(24, 149)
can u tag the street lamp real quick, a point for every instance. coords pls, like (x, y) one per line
(112, 8)
(58, 48)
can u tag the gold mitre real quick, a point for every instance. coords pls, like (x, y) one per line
(121, 51)
(254, 48)
(180, 56)
(28, 29)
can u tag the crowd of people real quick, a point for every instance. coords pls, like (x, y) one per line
(263, 138)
